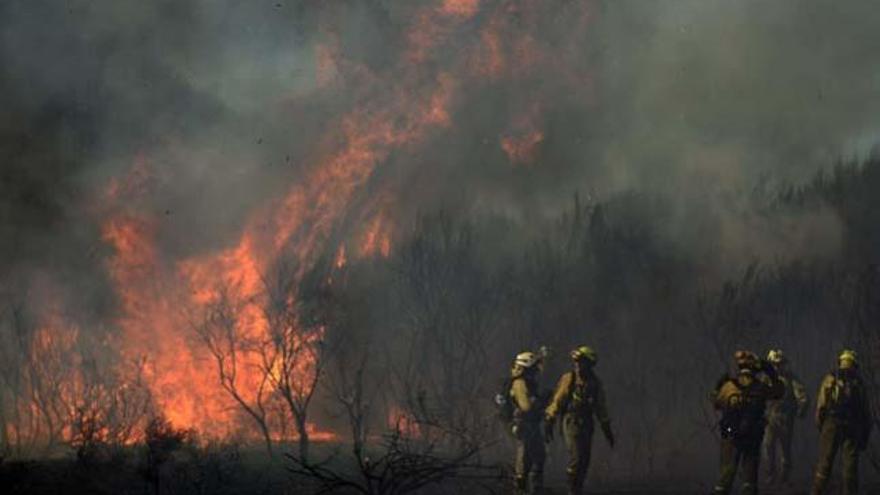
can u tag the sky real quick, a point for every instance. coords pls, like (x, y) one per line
(210, 110)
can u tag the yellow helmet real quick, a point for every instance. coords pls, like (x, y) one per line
(584, 353)
(848, 358)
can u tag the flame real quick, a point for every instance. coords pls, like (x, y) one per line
(154, 325)
(524, 148)
(341, 259)
(463, 8)
(522, 143)
(377, 239)
(489, 61)
(403, 422)
(435, 26)
(158, 296)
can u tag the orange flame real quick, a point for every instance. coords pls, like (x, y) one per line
(463, 8)
(154, 325)
(158, 297)
(403, 422)
(522, 149)
(341, 260)
(377, 239)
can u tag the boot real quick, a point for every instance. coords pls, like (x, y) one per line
(536, 482)
(520, 485)
(719, 490)
(575, 484)
(819, 483)
(771, 476)
(785, 479)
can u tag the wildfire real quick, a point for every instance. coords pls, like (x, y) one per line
(464, 8)
(377, 239)
(154, 325)
(161, 299)
(522, 149)
(403, 422)
(341, 259)
(435, 26)
(489, 61)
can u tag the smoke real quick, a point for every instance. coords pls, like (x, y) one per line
(343, 119)
(226, 101)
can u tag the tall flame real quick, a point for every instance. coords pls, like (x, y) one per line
(160, 297)
(157, 299)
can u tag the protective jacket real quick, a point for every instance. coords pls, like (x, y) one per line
(794, 401)
(526, 400)
(584, 397)
(528, 434)
(779, 433)
(742, 406)
(579, 399)
(844, 419)
(843, 398)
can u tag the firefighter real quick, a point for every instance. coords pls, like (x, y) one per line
(781, 416)
(578, 398)
(844, 420)
(527, 423)
(741, 400)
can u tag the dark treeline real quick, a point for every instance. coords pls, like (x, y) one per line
(418, 342)
(435, 324)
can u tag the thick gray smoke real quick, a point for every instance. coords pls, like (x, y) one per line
(223, 100)
(674, 115)
(726, 92)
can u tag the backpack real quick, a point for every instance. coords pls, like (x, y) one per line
(504, 407)
(846, 395)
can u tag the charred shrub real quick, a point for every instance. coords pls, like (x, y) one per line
(162, 441)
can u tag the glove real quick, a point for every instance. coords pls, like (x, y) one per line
(609, 433)
(735, 401)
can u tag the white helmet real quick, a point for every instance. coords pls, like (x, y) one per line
(776, 356)
(526, 359)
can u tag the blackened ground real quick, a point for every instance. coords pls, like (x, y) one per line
(227, 470)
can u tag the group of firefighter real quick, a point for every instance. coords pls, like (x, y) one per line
(757, 406)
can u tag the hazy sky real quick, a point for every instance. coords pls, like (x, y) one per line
(228, 103)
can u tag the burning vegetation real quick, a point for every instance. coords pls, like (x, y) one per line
(336, 240)
(222, 335)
